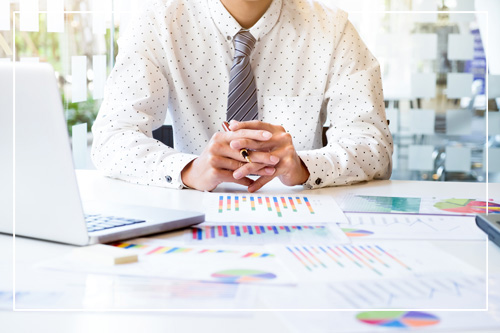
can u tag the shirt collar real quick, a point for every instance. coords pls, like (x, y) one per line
(229, 27)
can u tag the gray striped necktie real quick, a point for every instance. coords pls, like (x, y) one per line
(242, 98)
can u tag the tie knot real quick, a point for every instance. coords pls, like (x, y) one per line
(243, 44)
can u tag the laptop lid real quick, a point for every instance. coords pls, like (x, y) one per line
(47, 202)
(6, 148)
(47, 199)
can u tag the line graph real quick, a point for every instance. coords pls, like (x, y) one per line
(443, 291)
(410, 226)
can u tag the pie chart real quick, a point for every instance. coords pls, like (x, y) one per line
(243, 276)
(357, 232)
(399, 319)
(468, 206)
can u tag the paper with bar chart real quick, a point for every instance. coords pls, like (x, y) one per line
(411, 226)
(415, 205)
(271, 209)
(266, 234)
(161, 258)
(368, 260)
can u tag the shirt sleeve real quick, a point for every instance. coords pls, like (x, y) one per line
(359, 144)
(135, 103)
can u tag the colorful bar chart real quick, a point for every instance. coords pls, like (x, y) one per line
(372, 258)
(227, 208)
(272, 203)
(130, 246)
(261, 234)
(152, 249)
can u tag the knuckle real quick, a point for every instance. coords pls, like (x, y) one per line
(286, 163)
(289, 149)
(287, 136)
(281, 128)
(261, 133)
(217, 136)
(212, 173)
(212, 160)
(243, 142)
(216, 146)
(281, 136)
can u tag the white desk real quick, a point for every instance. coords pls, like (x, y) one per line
(94, 186)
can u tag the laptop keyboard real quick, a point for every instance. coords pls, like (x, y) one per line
(98, 222)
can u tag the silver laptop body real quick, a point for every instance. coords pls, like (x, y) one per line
(47, 200)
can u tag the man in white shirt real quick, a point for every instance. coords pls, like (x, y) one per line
(307, 64)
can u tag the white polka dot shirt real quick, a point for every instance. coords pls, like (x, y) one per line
(309, 64)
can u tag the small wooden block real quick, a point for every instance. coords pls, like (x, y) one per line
(105, 254)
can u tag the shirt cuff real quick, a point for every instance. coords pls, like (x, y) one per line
(170, 169)
(321, 169)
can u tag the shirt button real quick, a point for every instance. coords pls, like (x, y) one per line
(318, 181)
(168, 179)
(228, 37)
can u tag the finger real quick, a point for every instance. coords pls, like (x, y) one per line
(252, 144)
(266, 171)
(252, 125)
(256, 157)
(253, 169)
(261, 181)
(230, 164)
(253, 134)
(227, 176)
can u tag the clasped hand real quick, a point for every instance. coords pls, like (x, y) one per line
(271, 151)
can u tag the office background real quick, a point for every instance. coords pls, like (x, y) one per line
(436, 85)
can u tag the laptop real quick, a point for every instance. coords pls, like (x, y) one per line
(47, 199)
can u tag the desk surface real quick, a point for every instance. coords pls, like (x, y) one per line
(96, 187)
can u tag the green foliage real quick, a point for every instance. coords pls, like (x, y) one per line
(81, 112)
(40, 44)
(55, 49)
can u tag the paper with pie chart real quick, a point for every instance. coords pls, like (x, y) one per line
(390, 321)
(165, 259)
(417, 205)
(398, 319)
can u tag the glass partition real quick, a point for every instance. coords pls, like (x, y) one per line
(441, 100)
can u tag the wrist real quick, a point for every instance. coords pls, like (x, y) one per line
(304, 173)
(186, 173)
